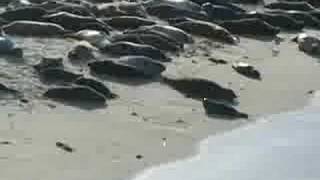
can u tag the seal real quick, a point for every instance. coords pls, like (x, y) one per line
(278, 20)
(15, 4)
(33, 28)
(78, 10)
(81, 53)
(163, 11)
(198, 89)
(97, 38)
(49, 62)
(207, 29)
(97, 86)
(71, 21)
(128, 67)
(75, 94)
(305, 17)
(128, 22)
(308, 44)
(285, 5)
(250, 26)
(128, 48)
(224, 3)
(219, 12)
(246, 70)
(8, 47)
(57, 76)
(159, 41)
(182, 4)
(222, 110)
(175, 33)
(120, 9)
(26, 13)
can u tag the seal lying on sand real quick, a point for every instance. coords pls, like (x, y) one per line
(120, 9)
(305, 17)
(97, 86)
(27, 13)
(207, 29)
(33, 28)
(218, 12)
(128, 67)
(201, 88)
(98, 39)
(182, 4)
(214, 108)
(75, 94)
(128, 48)
(277, 20)
(285, 5)
(71, 21)
(308, 44)
(155, 40)
(57, 75)
(250, 26)
(128, 22)
(48, 62)
(170, 11)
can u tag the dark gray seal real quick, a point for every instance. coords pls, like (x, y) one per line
(219, 12)
(73, 94)
(128, 48)
(120, 9)
(170, 11)
(71, 21)
(277, 20)
(128, 22)
(26, 13)
(182, 4)
(33, 28)
(128, 67)
(285, 5)
(8, 47)
(207, 29)
(57, 76)
(81, 53)
(222, 110)
(201, 88)
(305, 17)
(250, 26)
(161, 42)
(49, 62)
(97, 86)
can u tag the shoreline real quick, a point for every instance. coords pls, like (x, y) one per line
(262, 127)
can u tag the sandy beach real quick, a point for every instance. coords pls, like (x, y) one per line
(149, 124)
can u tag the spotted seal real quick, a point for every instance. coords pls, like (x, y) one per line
(308, 44)
(128, 22)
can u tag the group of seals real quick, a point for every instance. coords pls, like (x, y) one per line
(135, 44)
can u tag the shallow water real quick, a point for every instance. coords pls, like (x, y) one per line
(283, 146)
